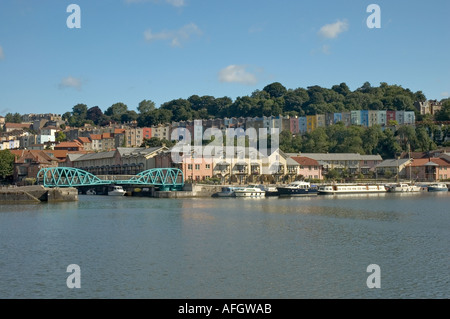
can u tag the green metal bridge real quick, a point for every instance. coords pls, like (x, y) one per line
(164, 178)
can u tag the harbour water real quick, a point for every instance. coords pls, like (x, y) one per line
(290, 248)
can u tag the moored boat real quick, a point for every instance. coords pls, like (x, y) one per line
(298, 188)
(337, 189)
(249, 191)
(270, 190)
(116, 191)
(227, 191)
(438, 187)
(404, 188)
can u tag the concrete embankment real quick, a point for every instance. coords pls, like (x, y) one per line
(37, 194)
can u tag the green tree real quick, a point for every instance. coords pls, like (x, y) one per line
(6, 163)
(94, 114)
(407, 137)
(275, 89)
(80, 111)
(370, 139)
(13, 118)
(128, 116)
(424, 142)
(146, 106)
(333, 175)
(156, 142)
(388, 146)
(60, 137)
(444, 113)
(116, 110)
(316, 142)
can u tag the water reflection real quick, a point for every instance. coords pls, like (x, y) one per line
(317, 247)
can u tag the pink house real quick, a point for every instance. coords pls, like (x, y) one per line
(194, 169)
(308, 167)
(294, 125)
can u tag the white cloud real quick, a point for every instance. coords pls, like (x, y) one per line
(175, 3)
(176, 37)
(2, 55)
(237, 74)
(70, 82)
(445, 94)
(331, 31)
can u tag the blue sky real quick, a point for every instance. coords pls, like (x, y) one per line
(131, 50)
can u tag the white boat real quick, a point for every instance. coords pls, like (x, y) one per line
(227, 191)
(438, 187)
(91, 192)
(298, 188)
(249, 191)
(404, 188)
(351, 189)
(116, 191)
(270, 190)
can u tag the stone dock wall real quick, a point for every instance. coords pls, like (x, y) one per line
(37, 194)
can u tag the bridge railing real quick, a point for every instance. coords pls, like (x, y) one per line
(164, 178)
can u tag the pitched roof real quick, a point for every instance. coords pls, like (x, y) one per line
(74, 143)
(428, 162)
(94, 156)
(96, 136)
(17, 125)
(305, 161)
(393, 163)
(84, 139)
(36, 155)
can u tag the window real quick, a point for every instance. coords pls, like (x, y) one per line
(208, 166)
(189, 166)
(197, 166)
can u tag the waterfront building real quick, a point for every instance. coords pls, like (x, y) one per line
(430, 169)
(307, 168)
(121, 161)
(392, 167)
(368, 162)
(352, 162)
(28, 163)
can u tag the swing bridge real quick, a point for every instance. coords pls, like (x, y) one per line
(163, 178)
